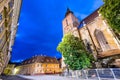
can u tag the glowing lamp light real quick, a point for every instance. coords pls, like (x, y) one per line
(16, 70)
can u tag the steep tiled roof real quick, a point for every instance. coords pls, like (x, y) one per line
(89, 18)
(40, 59)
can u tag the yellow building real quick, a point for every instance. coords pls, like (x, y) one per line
(96, 34)
(9, 70)
(17, 69)
(9, 13)
(40, 65)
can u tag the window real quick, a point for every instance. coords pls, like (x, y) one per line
(3, 40)
(29, 61)
(38, 65)
(5, 48)
(1, 28)
(42, 60)
(47, 60)
(0, 16)
(0, 40)
(67, 22)
(11, 14)
(51, 60)
(33, 60)
(87, 43)
(102, 40)
(11, 3)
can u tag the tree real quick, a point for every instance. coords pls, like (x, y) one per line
(111, 12)
(75, 55)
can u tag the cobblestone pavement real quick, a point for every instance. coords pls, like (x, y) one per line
(47, 77)
(38, 77)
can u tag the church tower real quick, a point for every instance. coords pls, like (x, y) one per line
(70, 24)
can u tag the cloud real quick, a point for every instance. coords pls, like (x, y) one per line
(18, 60)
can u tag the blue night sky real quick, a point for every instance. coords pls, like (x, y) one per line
(40, 25)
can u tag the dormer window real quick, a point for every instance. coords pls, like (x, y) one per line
(32, 60)
(47, 60)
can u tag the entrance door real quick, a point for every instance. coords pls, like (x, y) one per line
(102, 40)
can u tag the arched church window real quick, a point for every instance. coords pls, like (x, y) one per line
(101, 40)
(88, 46)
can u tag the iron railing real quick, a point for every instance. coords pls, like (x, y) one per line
(95, 74)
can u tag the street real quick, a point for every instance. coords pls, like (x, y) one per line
(37, 77)
(11, 77)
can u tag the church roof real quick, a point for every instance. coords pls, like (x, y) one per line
(89, 18)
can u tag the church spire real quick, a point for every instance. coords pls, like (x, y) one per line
(68, 11)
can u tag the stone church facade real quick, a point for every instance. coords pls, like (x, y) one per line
(98, 37)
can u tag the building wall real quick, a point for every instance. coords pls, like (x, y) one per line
(106, 47)
(6, 16)
(85, 36)
(51, 68)
(99, 24)
(9, 70)
(40, 68)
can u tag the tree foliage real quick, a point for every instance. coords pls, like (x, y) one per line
(75, 56)
(111, 12)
